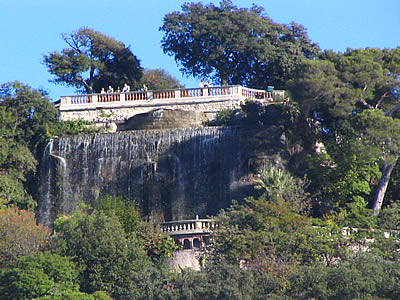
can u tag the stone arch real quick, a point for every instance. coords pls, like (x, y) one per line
(187, 244)
(196, 243)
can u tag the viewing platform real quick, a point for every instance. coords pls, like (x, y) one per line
(121, 106)
(196, 226)
(189, 234)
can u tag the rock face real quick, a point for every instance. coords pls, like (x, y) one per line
(165, 118)
(172, 174)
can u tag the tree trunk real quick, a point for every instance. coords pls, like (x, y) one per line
(382, 186)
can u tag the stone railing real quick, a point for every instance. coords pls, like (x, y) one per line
(210, 93)
(195, 226)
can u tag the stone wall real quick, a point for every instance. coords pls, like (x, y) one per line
(119, 114)
(188, 258)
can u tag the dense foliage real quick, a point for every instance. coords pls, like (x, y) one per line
(19, 235)
(159, 79)
(235, 46)
(352, 100)
(323, 217)
(27, 121)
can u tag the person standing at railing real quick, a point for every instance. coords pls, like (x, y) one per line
(103, 91)
(202, 84)
(110, 90)
(126, 88)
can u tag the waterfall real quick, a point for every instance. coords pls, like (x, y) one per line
(44, 206)
(178, 204)
(171, 173)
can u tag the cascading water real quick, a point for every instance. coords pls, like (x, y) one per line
(178, 209)
(45, 186)
(172, 174)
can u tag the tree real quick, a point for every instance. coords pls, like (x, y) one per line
(157, 245)
(93, 61)
(221, 281)
(15, 162)
(37, 275)
(274, 228)
(380, 134)
(106, 258)
(159, 79)
(364, 276)
(19, 235)
(234, 46)
(27, 120)
(336, 92)
(34, 117)
(279, 186)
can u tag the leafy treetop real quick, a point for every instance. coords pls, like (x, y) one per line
(234, 46)
(93, 61)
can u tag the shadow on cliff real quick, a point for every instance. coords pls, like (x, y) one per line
(172, 174)
(201, 175)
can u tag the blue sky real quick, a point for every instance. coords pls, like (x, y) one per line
(30, 29)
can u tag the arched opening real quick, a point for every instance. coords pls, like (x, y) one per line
(196, 243)
(186, 244)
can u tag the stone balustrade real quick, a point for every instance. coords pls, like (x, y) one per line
(122, 106)
(196, 226)
(222, 91)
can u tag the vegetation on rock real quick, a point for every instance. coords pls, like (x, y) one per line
(336, 171)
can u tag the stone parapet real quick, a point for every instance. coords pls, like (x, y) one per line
(100, 108)
(181, 227)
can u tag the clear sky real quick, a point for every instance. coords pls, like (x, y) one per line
(31, 28)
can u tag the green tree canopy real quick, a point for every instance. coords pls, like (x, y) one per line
(93, 61)
(27, 120)
(107, 259)
(234, 46)
(364, 276)
(273, 229)
(34, 117)
(353, 99)
(157, 245)
(37, 275)
(159, 79)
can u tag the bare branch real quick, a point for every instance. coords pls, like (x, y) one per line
(380, 100)
(366, 105)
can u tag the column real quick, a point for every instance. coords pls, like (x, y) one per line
(95, 98)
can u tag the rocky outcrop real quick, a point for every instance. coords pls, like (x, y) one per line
(165, 118)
